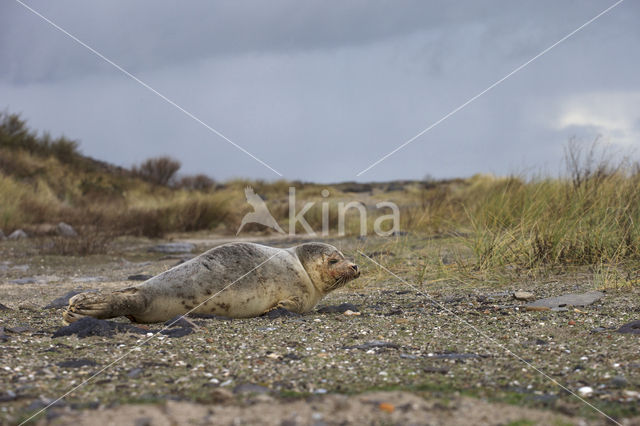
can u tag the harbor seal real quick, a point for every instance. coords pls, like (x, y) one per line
(238, 280)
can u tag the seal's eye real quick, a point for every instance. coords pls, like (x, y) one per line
(333, 261)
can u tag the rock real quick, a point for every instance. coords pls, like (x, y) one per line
(439, 370)
(173, 248)
(279, 313)
(631, 394)
(77, 363)
(373, 344)
(455, 355)
(523, 295)
(139, 277)
(350, 313)
(8, 396)
(619, 381)
(220, 395)
(177, 332)
(89, 326)
(338, 309)
(66, 230)
(250, 388)
(3, 337)
(18, 234)
(88, 279)
(134, 373)
(632, 327)
(562, 302)
(585, 391)
(63, 301)
(143, 421)
(19, 329)
(28, 306)
(4, 308)
(20, 281)
(180, 321)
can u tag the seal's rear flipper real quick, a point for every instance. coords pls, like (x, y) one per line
(118, 303)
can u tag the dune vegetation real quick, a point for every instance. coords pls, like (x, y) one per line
(590, 216)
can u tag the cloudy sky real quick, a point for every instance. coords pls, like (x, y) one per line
(319, 90)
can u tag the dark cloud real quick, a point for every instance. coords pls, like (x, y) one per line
(319, 90)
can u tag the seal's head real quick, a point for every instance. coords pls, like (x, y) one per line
(326, 266)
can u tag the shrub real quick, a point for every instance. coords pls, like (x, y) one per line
(158, 171)
(199, 182)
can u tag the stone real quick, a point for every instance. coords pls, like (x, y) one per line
(173, 248)
(438, 370)
(280, 313)
(134, 373)
(63, 301)
(88, 279)
(180, 321)
(177, 332)
(338, 309)
(562, 302)
(250, 388)
(66, 230)
(372, 344)
(77, 363)
(455, 355)
(523, 295)
(632, 327)
(20, 281)
(18, 234)
(90, 326)
(139, 277)
(619, 381)
(28, 306)
(585, 391)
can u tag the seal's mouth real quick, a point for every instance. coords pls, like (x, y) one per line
(350, 273)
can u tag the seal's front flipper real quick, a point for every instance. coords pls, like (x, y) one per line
(118, 303)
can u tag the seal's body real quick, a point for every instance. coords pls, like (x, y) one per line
(237, 280)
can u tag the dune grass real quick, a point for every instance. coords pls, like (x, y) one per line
(590, 216)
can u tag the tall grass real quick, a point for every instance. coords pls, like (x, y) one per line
(591, 216)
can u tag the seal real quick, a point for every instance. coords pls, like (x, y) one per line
(237, 280)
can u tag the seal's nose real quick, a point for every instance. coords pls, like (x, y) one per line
(356, 269)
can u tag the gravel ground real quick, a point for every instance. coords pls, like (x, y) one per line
(402, 358)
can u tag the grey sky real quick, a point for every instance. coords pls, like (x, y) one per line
(319, 90)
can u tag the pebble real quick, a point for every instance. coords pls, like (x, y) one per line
(18, 234)
(134, 373)
(180, 321)
(561, 302)
(524, 295)
(66, 230)
(338, 309)
(77, 363)
(250, 388)
(374, 344)
(585, 391)
(139, 277)
(173, 248)
(89, 326)
(632, 327)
